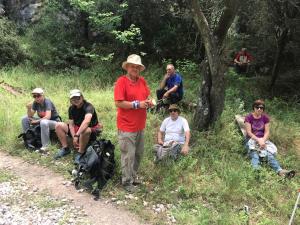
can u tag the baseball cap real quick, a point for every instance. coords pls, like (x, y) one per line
(37, 91)
(75, 93)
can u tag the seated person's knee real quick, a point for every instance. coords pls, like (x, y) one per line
(44, 123)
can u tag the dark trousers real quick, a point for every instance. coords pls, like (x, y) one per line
(172, 99)
(241, 68)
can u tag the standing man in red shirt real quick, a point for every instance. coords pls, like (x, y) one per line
(131, 98)
(242, 61)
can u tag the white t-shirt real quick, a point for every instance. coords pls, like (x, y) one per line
(174, 130)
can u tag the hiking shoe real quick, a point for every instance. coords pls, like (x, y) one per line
(43, 149)
(130, 188)
(62, 152)
(77, 158)
(290, 174)
(287, 173)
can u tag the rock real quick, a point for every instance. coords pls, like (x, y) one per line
(119, 202)
(80, 190)
(145, 203)
(129, 196)
(169, 206)
(35, 189)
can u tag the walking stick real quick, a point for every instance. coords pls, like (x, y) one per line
(294, 211)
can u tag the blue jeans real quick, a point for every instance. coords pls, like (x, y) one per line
(270, 158)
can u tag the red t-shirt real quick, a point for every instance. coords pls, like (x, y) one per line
(131, 120)
(243, 57)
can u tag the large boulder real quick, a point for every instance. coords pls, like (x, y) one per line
(22, 11)
(2, 11)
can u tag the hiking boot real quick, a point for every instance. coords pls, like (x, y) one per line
(130, 188)
(287, 173)
(62, 152)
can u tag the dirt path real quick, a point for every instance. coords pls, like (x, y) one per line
(13, 90)
(44, 179)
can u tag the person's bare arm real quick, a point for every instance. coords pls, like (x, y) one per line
(185, 147)
(30, 111)
(267, 132)
(47, 117)
(160, 137)
(173, 89)
(164, 80)
(260, 141)
(85, 123)
(249, 131)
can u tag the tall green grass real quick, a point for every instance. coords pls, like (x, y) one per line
(209, 186)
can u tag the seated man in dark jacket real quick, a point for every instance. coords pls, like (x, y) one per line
(171, 87)
(83, 125)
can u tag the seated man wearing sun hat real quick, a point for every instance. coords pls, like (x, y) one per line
(47, 116)
(173, 136)
(83, 126)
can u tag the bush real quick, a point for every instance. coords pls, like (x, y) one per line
(11, 52)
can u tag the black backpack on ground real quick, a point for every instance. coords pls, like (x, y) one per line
(32, 137)
(97, 165)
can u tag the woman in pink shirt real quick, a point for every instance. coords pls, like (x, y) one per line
(259, 146)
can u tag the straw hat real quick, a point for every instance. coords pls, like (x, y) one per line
(133, 59)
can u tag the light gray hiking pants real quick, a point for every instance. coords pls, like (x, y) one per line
(132, 149)
(46, 126)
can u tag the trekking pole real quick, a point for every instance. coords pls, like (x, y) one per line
(294, 211)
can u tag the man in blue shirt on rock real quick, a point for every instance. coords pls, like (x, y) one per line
(171, 88)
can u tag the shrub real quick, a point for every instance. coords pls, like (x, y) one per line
(11, 52)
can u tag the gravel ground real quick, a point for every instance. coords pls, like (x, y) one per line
(40, 196)
(21, 203)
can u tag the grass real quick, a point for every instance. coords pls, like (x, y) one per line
(6, 176)
(211, 185)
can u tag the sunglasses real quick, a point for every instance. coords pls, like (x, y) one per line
(260, 107)
(36, 96)
(77, 98)
(173, 110)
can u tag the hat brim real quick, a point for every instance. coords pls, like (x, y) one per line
(75, 95)
(124, 65)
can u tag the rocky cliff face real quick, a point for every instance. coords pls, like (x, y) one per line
(23, 11)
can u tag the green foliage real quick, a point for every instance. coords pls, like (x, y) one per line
(132, 36)
(55, 41)
(11, 51)
(104, 16)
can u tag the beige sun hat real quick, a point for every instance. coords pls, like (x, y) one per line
(174, 106)
(37, 91)
(133, 59)
(75, 93)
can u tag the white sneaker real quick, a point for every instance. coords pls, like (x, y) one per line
(43, 149)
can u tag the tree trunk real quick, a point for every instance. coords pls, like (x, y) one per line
(202, 116)
(281, 43)
(212, 92)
